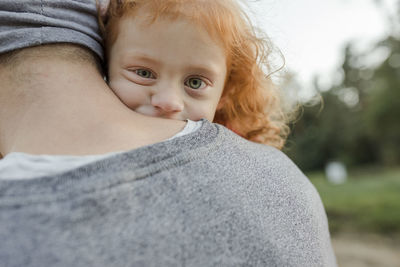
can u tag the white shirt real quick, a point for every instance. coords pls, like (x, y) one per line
(18, 166)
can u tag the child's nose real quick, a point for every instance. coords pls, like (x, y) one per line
(168, 100)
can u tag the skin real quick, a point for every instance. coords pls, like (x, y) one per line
(51, 105)
(170, 69)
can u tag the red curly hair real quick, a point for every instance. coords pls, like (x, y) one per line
(250, 104)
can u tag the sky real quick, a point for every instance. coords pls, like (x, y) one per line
(312, 33)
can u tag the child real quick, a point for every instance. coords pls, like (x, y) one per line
(193, 59)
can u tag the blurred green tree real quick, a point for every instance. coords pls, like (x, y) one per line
(383, 112)
(358, 121)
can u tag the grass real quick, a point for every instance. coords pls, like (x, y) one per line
(368, 202)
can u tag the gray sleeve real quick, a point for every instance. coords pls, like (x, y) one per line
(26, 23)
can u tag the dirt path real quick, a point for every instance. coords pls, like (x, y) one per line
(366, 250)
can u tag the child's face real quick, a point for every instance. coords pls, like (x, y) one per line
(169, 69)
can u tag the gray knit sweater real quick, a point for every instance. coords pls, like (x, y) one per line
(209, 198)
(27, 23)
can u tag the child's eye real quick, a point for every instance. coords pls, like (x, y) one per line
(145, 73)
(195, 83)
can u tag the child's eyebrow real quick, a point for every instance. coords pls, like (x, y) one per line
(141, 58)
(209, 71)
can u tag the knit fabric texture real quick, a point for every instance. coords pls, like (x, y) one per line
(26, 23)
(209, 198)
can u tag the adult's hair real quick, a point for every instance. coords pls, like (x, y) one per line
(57, 51)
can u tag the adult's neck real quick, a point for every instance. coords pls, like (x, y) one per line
(55, 106)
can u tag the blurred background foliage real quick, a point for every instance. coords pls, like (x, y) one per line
(356, 121)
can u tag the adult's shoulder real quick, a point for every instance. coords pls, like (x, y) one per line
(288, 206)
(259, 156)
(272, 170)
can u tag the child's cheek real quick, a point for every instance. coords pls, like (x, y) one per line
(206, 111)
(130, 95)
(138, 98)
